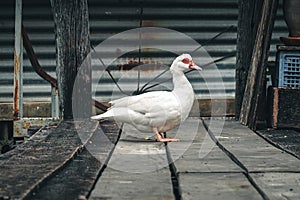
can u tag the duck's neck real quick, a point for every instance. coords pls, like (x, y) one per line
(181, 84)
(184, 92)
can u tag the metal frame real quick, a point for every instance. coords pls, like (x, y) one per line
(22, 124)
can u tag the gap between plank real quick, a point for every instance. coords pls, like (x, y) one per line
(237, 162)
(174, 175)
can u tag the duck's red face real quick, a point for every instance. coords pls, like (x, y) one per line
(191, 64)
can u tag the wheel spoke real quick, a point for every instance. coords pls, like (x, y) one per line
(140, 48)
(156, 77)
(144, 88)
(116, 83)
(213, 38)
(207, 64)
(110, 75)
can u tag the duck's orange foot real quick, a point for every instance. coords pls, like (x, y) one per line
(167, 140)
(160, 138)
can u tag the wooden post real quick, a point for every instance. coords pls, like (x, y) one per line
(72, 47)
(248, 20)
(256, 74)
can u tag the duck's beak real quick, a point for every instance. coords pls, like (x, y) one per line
(194, 66)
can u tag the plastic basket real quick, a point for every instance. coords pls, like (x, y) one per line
(289, 69)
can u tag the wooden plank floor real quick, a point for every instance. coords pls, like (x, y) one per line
(205, 172)
(236, 164)
(253, 152)
(41, 155)
(214, 159)
(201, 154)
(115, 184)
(216, 186)
(138, 169)
(274, 172)
(284, 185)
(53, 163)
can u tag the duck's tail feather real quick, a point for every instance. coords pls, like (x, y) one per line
(106, 115)
(118, 114)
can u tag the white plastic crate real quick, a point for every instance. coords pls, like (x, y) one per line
(288, 73)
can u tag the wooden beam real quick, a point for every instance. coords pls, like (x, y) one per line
(256, 74)
(248, 20)
(72, 47)
(43, 109)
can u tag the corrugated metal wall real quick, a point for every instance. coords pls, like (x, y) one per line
(37, 18)
(198, 19)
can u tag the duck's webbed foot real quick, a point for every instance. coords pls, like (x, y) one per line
(160, 138)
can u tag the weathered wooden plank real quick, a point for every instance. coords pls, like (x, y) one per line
(214, 161)
(27, 169)
(200, 153)
(216, 186)
(253, 152)
(138, 169)
(115, 184)
(79, 175)
(73, 180)
(72, 47)
(248, 20)
(138, 152)
(43, 109)
(43, 154)
(279, 185)
(213, 108)
(256, 74)
(138, 157)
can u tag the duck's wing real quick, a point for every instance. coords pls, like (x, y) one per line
(144, 111)
(147, 103)
(151, 109)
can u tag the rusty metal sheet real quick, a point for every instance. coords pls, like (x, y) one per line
(21, 126)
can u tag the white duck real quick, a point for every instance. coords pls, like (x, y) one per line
(157, 111)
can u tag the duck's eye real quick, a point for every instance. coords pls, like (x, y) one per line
(186, 61)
